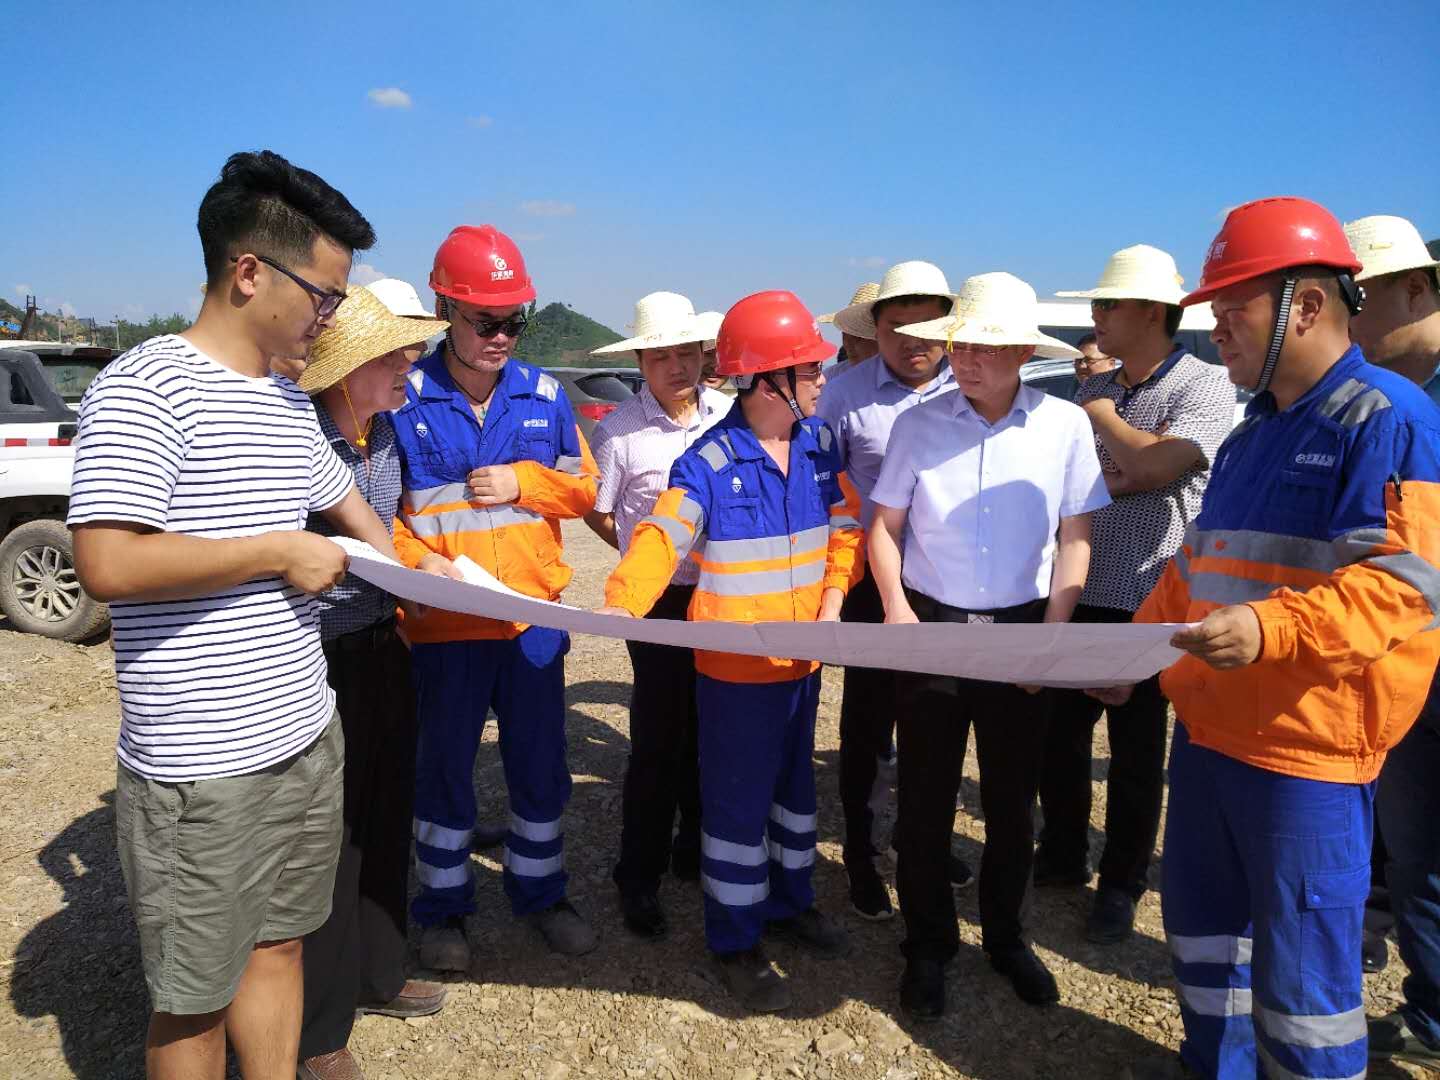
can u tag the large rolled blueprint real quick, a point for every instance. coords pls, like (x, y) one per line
(1053, 654)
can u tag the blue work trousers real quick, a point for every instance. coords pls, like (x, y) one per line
(757, 805)
(457, 683)
(1263, 892)
(1408, 806)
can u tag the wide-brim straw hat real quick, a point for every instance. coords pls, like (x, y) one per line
(1141, 272)
(663, 319)
(865, 294)
(1387, 245)
(914, 278)
(364, 328)
(993, 309)
(400, 297)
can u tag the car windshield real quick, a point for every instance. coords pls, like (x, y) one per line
(70, 376)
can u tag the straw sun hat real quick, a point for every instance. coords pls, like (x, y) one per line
(913, 278)
(1387, 245)
(663, 319)
(364, 328)
(1141, 272)
(865, 294)
(993, 309)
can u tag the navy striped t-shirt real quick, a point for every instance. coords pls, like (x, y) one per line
(231, 682)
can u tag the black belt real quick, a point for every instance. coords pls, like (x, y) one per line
(366, 639)
(928, 609)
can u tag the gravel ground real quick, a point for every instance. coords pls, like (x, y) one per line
(73, 1002)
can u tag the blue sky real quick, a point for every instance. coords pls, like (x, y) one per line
(713, 149)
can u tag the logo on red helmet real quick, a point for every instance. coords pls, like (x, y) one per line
(502, 271)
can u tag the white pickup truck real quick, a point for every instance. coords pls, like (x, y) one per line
(39, 590)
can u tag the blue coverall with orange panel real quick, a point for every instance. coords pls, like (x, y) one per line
(1322, 519)
(465, 665)
(768, 545)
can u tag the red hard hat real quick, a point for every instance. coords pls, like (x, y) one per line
(1269, 235)
(767, 332)
(478, 264)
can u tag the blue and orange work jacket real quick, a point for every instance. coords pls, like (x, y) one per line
(530, 426)
(1323, 519)
(768, 544)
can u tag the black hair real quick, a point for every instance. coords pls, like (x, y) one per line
(1088, 339)
(263, 204)
(910, 298)
(1173, 314)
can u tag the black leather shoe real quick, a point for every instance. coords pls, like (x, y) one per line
(922, 988)
(1112, 919)
(1374, 953)
(753, 981)
(1031, 979)
(868, 895)
(961, 876)
(1051, 874)
(643, 915)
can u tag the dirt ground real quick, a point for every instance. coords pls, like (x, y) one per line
(73, 1002)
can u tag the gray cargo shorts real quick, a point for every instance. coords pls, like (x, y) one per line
(212, 867)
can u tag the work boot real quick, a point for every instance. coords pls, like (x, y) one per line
(813, 930)
(1050, 874)
(868, 895)
(1031, 979)
(338, 1065)
(416, 998)
(922, 989)
(961, 876)
(752, 980)
(564, 930)
(1112, 919)
(445, 947)
(1374, 952)
(1392, 1039)
(643, 915)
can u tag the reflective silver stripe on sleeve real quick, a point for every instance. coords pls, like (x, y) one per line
(760, 582)
(1262, 547)
(1417, 573)
(524, 866)
(538, 831)
(1363, 407)
(1340, 397)
(691, 511)
(1219, 588)
(568, 464)
(438, 836)
(767, 547)
(796, 823)
(547, 387)
(1341, 1029)
(473, 519)
(714, 456)
(1216, 1000)
(1358, 544)
(679, 535)
(1210, 948)
(843, 521)
(424, 498)
(727, 851)
(732, 894)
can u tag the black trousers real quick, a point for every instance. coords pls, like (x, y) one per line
(1135, 787)
(664, 769)
(935, 715)
(867, 718)
(359, 954)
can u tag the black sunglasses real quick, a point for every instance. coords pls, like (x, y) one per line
(1104, 305)
(329, 301)
(511, 327)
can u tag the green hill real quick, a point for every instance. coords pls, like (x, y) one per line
(559, 336)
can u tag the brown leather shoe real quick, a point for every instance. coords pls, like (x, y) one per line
(416, 998)
(337, 1066)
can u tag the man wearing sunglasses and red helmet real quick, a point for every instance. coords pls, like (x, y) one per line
(492, 461)
(1311, 574)
(760, 503)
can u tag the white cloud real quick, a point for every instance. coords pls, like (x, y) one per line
(24, 290)
(548, 208)
(479, 121)
(390, 97)
(364, 274)
(67, 309)
(868, 262)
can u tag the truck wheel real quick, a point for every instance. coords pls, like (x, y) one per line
(39, 590)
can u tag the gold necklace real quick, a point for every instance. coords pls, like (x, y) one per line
(363, 438)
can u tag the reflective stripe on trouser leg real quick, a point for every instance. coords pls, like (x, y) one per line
(791, 829)
(453, 683)
(1206, 904)
(530, 705)
(745, 734)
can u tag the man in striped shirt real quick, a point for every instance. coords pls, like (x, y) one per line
(194, 473)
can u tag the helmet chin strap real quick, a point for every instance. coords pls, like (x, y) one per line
(769, 377)
(1277, 338)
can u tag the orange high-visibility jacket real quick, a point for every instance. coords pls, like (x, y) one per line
(530, 426)
(1325, 519)
(768, 544)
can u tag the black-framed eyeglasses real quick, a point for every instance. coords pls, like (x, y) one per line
(511, 326)
(329, 301)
